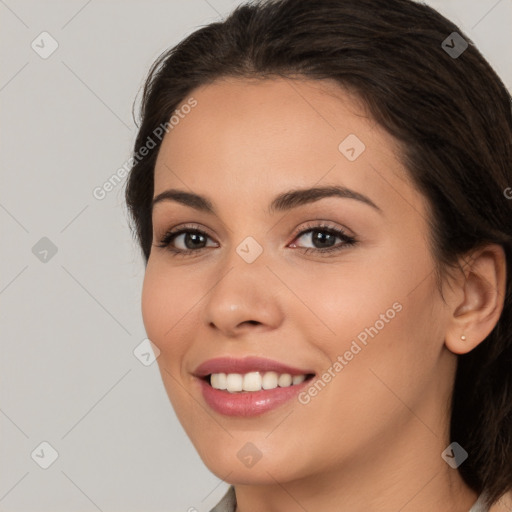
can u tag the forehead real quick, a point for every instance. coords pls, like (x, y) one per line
(255, 137)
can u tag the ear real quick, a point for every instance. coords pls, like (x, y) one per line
(479, 298)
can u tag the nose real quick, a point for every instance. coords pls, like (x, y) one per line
(244, 298)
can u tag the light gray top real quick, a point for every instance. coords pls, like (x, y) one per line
(228, 503)
(479, 505)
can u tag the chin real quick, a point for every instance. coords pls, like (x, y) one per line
(260, 474)
(240, 462)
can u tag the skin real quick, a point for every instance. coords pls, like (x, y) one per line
(372, 437)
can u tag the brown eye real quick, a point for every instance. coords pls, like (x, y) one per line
(323, 239)
(185, 241)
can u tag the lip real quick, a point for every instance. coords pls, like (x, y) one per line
(247, 403)
(245, 365)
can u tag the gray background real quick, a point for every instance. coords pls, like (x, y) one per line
(70, 323)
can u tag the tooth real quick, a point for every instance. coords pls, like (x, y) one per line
(285, 380)
(252, 381)
(218, 380)
(269, 380)
(297, 379)
(234, 382)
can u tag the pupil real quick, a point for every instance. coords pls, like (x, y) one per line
(322, 237)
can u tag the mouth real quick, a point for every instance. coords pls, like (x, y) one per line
(250, 386)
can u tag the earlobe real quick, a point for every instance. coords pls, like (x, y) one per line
(462, 344)
(483, 293)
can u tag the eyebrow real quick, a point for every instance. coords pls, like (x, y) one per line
(283, 202)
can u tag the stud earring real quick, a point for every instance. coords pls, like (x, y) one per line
(463, 338)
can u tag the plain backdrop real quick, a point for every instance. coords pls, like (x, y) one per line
(71, 274)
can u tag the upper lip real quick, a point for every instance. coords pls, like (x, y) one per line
(245, 365)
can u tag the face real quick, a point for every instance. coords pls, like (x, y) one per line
(337, 285)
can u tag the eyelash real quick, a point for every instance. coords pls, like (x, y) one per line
(348, 240)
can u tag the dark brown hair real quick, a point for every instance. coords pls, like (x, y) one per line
(451, 115)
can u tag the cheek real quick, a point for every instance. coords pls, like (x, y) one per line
(342, 301)
(380, 304)
(168, 299)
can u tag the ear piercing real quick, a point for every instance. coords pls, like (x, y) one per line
(463, 338)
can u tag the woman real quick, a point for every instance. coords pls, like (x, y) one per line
(326, 227)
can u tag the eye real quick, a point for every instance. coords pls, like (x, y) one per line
(185, 240)
(323, 237)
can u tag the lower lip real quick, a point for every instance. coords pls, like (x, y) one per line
(249, 403)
